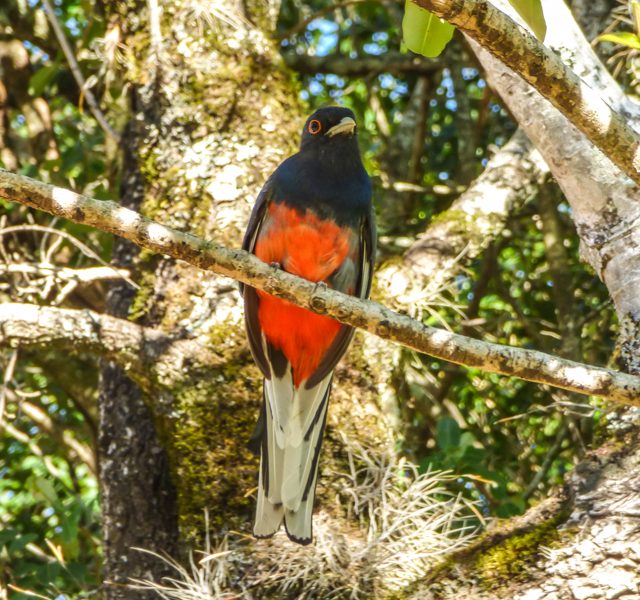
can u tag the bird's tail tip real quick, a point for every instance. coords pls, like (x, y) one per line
(298, 524)
(268, 519)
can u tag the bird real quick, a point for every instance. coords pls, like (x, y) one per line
(314, 218)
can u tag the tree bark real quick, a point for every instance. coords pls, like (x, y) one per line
(138, 497)
(604, 203)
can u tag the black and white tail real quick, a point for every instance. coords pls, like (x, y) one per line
(291, 427)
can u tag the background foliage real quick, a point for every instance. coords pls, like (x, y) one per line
(425, 134)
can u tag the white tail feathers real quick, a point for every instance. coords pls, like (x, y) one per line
(289, 457)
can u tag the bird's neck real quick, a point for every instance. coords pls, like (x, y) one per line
(334, 183)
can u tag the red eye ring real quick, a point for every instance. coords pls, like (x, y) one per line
(314, 127)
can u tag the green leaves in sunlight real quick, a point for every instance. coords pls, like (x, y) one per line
(423, 32)
(624, 38)
(531, 12)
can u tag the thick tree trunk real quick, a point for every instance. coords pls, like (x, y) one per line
(138, 496)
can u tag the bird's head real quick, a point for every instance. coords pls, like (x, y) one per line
(330, 127)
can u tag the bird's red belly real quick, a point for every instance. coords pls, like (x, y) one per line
(312, 248)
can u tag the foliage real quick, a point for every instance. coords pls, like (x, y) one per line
(49, 512)
(49, 535)
(624, 38)
(424, 33)
(531, 13)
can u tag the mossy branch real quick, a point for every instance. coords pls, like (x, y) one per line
(149, 356)
(371, 316)
(545, 71)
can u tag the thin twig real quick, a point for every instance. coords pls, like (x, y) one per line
(552, 454)
(77, 74)
(8, 376)
(74, 241)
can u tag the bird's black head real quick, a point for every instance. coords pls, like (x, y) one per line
(327, 174)
(332, 127)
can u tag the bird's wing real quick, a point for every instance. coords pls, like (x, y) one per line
(257, 344)
(355, 273)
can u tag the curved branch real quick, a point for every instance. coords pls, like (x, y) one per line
(545, 71)
(479, 214)
(371, 316)
(149, 356)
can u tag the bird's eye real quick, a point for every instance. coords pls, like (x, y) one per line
(314, 127)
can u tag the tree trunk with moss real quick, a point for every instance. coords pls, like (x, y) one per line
(213, 111)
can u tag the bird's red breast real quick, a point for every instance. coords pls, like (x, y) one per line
(313, 248)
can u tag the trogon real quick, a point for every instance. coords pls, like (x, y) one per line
(312, 218)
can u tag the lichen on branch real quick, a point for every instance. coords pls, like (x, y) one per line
(371, 316)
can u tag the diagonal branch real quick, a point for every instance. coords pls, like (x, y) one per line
(478, 215)
(77, 74)
(545, 71)
(149, 356)
(371, 316)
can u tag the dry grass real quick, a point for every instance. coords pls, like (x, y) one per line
(397, 525)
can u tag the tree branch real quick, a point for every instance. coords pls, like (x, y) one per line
(393, 62)
(604, 204)
(364, 314)
(544, 70)
(511, 177)
(149, 356)
(83, 275)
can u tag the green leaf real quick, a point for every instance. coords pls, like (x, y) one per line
(531, 12)
(46, 488)
(423, 32)
(20, 541)
(448, 433)
(41, 79)
(635, 14)
(625, 38)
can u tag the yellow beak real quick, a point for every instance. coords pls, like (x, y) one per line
(347, 125)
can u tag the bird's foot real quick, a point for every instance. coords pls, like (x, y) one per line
(276, 265)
